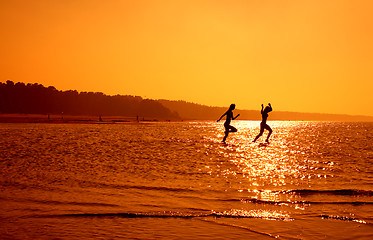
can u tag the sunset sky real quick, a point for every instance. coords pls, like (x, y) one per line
(305, 56)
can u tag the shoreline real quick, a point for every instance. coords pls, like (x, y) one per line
(82, 119)
(52, 118)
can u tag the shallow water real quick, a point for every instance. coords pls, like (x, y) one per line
(314, 180)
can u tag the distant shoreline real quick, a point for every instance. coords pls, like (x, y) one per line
(53, 118)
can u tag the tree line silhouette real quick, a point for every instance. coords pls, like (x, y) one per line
(37, 99)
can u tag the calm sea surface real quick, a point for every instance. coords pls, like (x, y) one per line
(178, 181)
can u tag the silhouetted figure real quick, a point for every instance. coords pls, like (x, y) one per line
(229, 128)
(263, 124)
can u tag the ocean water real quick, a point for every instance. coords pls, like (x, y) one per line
(167, 180)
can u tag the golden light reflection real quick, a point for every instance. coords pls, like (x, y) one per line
(269, 172)
(269, 195)
(277, 163)
(257, 213)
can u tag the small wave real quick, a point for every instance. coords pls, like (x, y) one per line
(258, 201)
(51, 202)
(93, 204)
(308, 192)
(127, 215)
(243, 227)
(342, 218)
(169, 189)
(345, 192)
(130, 215)
(140, 187)
(225, 214)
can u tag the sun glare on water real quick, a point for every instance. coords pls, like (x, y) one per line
(264, 163)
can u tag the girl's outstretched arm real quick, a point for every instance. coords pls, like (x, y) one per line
(236, 116)
(262, 109)
(222, 116)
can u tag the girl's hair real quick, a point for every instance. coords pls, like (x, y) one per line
(233, 106)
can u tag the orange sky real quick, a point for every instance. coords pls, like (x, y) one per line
(307, 56)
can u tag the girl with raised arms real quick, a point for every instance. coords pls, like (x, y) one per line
(263, 124)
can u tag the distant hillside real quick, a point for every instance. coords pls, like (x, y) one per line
(193, 111)
(37, 99)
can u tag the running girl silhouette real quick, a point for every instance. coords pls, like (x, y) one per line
(263, 124)
(229, 128)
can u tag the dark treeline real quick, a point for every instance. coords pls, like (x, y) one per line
(37, 99)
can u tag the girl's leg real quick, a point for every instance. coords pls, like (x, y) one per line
(226, 132)
(225, 136)
(228, 129)
(232, 129)
(260, 133)
(270, 132)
